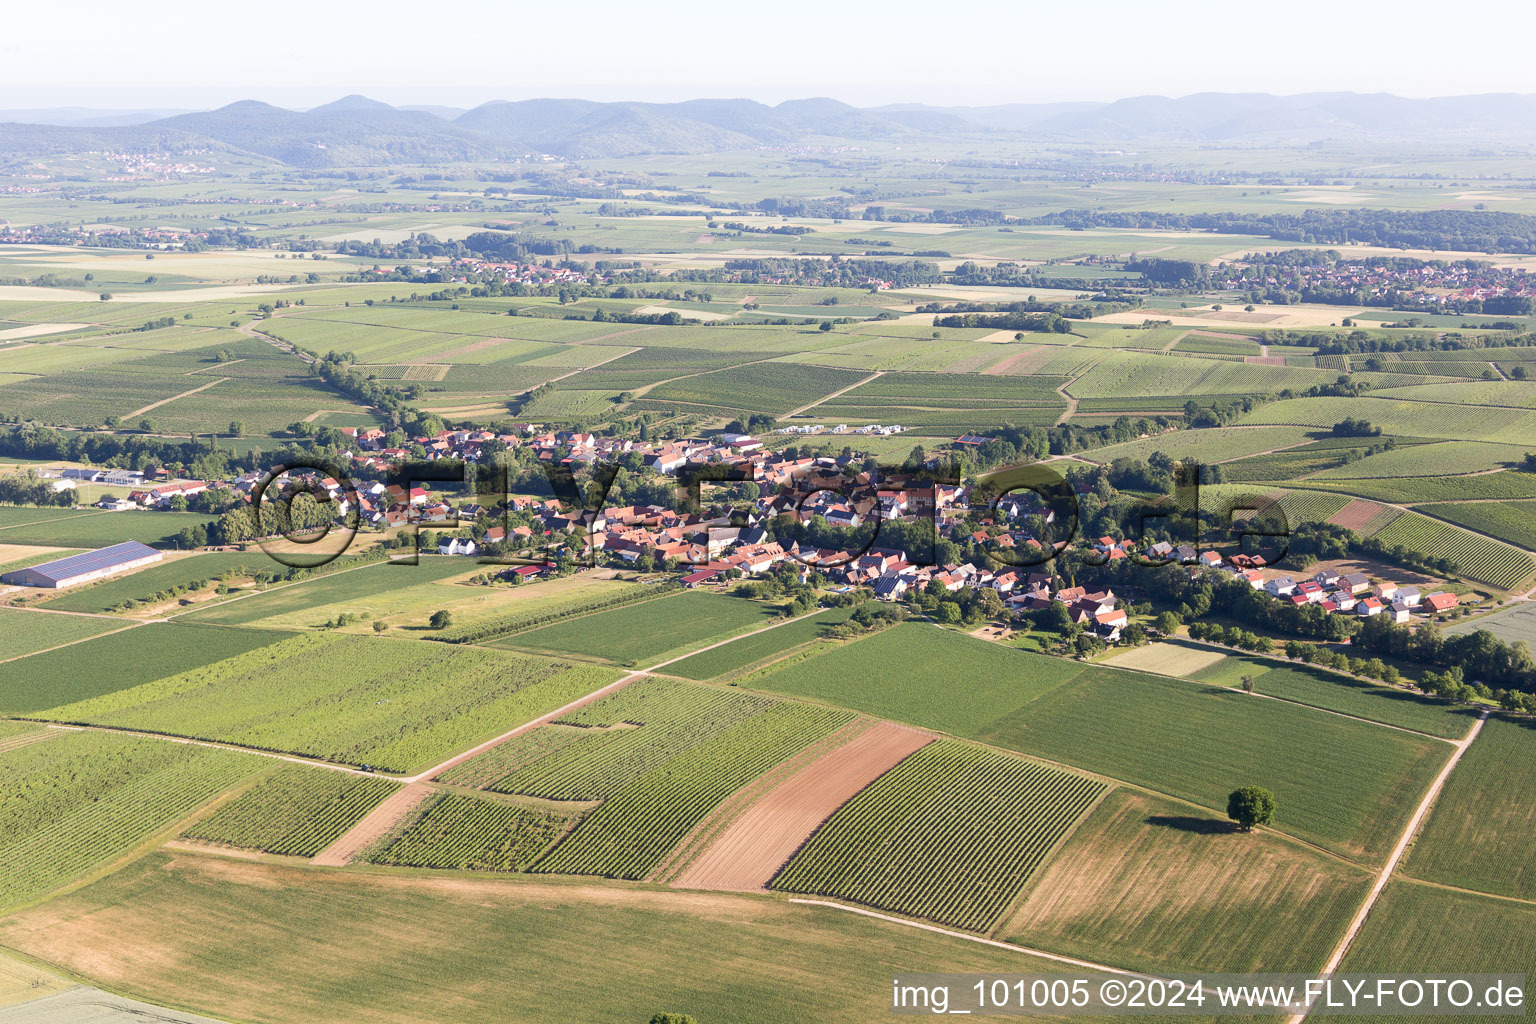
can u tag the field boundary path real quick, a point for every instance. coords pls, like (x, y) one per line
(152, 406)
(1086, 965)
(591, 366)
(836, 394)
(71, 643)
(213, 744)
(1390, 868)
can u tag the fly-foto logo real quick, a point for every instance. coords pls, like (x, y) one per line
(837, 514)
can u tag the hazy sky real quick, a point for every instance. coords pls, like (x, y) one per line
(179, 53)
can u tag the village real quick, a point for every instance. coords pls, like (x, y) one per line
(733, 527)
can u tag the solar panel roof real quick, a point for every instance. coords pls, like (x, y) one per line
(91, 561)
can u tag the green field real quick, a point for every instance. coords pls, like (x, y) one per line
(76, 800)
(1134, 374)
(749, 389)
(645, 632)
(1214, 444)
(1512, 624)
(398, 705)
(952, 834)
(296, 810)
(1414, 927)
(908, 673)
(1346, 785)
(91, 528)
(1482, 833)
(748, 651)
(467, 833)
(1323, 689)
(23, 632)
(1445, 458)
(118, 662)
(1478, 557)
(1416, 419)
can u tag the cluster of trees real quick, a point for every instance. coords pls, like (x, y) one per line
(1359, 342)
(201, 460)
(1099, 305)
(783, 584)
(1044, 322)
(836, 272)
(1464, 230)
(1349, 426)
(238, 525)
(393, 403)
(869, 616)
(1231, 636)
(973, 216)
(1221, 412)
(1329, 657)
(970, 606)
(1479, 655)
(1170, 273)
(27, 489)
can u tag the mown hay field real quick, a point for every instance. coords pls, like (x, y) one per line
(1147, 883)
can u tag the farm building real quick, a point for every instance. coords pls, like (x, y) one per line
(83, 568)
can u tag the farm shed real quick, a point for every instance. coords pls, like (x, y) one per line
(83, 568)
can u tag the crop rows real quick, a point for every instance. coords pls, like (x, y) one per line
(84, 798)
(466, 833)
(1478, 557)
(635, 828)
(24, 632)
(951, 834)
(1512, 521)
(625, 735)
(1299, 506)
(644, 631)
(980, 418)
(1504, 485)
(1224, 346)
(941, 389)
(1127, 375)
(393, 704)
(1445, 458)
(297, 811)
(751, 388)
(579, 604)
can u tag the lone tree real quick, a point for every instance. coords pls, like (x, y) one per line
(1247, 684)
(441, 619)
(673, 1018)
(1250, 806)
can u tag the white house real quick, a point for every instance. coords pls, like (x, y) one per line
(1280, 586)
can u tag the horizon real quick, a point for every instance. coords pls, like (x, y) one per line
(169, 110)
(196, 62)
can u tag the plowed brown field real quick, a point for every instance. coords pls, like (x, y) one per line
(747, 853)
